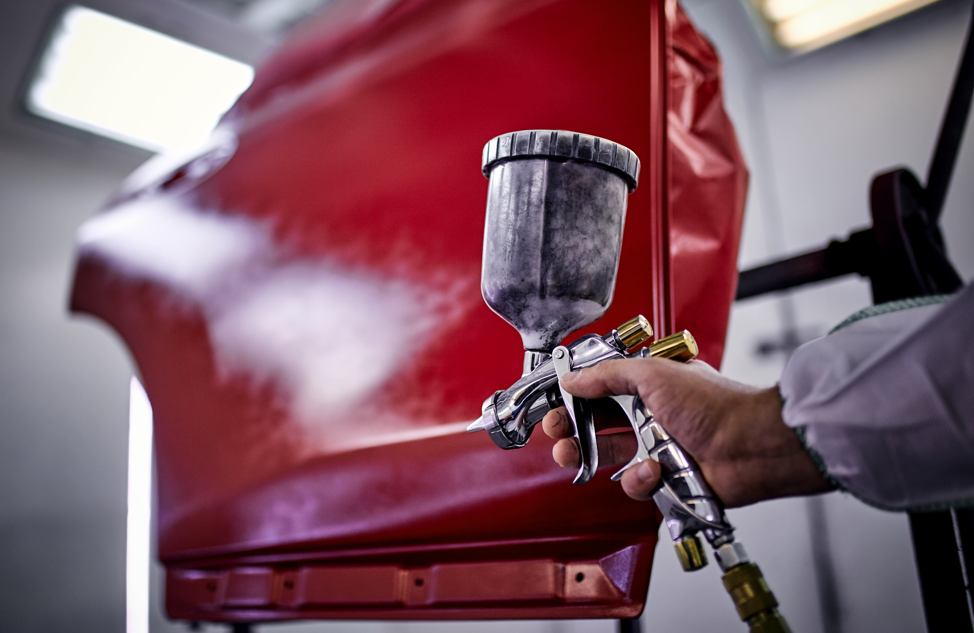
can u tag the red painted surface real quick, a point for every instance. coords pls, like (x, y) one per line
(289, 485)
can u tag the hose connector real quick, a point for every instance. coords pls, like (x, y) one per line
(755, 603)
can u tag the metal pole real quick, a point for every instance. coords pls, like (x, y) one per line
(951, 131)
(630, 626)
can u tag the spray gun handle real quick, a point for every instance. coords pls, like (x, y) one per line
(688, 504)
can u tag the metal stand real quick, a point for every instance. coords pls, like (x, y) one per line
(630, 626)
(903, 255)
(943, 543)
(903, 252)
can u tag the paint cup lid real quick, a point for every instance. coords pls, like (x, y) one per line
(562, 145)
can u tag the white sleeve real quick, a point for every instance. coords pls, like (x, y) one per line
(885, 403)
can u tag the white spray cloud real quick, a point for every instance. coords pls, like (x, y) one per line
(162, 239)
(330, 338)
(326, 337)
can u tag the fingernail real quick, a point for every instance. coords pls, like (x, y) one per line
(644, 472)
(570, 376)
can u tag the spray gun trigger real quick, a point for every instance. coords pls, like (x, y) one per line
(645, 440)
(583, 420)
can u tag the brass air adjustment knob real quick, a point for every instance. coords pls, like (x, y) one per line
(634, 332)
(690, 552)
(680, 347)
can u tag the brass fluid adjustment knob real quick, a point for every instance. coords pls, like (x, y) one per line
(680, 347)
(634, 332)
(691, 554)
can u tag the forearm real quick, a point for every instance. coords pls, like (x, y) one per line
(773, 461)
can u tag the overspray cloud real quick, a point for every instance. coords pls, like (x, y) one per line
(326, 337)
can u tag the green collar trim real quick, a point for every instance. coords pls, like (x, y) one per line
(817, 458)
(891, 306)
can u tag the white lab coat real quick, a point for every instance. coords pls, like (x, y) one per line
(885, 403)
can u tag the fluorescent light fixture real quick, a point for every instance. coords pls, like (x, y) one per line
(132, 84)
(803, 25)
(139, 529)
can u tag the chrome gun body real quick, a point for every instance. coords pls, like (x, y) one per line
(686, 501)
(510, 415)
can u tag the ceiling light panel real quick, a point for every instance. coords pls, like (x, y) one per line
(803, 25)
(120, 80)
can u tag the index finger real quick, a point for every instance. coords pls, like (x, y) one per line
(634, 376)
(615, 377)
(607, 414)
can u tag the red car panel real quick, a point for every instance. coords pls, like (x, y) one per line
(302, 302)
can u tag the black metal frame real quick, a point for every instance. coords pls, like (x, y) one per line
(903, 256)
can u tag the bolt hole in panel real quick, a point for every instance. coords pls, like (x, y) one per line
(306, 317)
(438, 591)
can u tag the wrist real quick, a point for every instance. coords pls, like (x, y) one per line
(775, 463)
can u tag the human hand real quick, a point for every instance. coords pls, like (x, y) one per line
(734, 432)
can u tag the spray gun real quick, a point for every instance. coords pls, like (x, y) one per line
(556, 209)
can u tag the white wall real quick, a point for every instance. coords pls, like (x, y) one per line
(63, 380)
(63, 404)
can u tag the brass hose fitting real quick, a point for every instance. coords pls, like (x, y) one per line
(755, 603)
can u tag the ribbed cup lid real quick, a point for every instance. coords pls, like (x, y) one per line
(562, 145)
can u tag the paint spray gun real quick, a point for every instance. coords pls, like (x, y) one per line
(556, 207)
